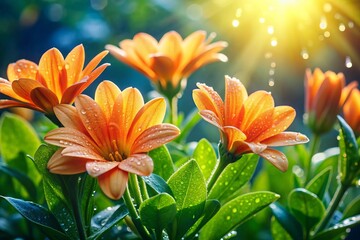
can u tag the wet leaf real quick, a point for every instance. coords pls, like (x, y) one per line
(349, 153)
(158, 211)
(163, 164)
(106, 219)
(288, 222)
(38, 215)
(306, 207)
(235, 212)
(189, 190)
(234, 176)
(157, 183)
(204, 154)
(352, 209)
(278, 232)
(320, 183)
(87, 190)
(339, 229)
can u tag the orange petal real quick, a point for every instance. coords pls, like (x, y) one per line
(235, 95)
(23, 87)
(150, 114)
(96, 168)
(206, 98)
(145, 45)
(66, 165)
(50, 67)
(285, 139)
(82, 152)
(257, 103)
(93, 75)
(69, 117)
(154, 137)
(276, 158)
(44, 99)
(6, 89)
(67, 137)
(263, 123)
(105, 95)
(5, 103)
(210, 117)
(74, 63)
(94, 120)
(113, 183)
(282, 119)
(170, 46)
(73, 91)
(22, 69)
(140, 164)
(132, 103)
(163, 67)
(93, 63)
(345, 93)
(191, 45)
(233, 135)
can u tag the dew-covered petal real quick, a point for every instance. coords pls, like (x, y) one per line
(24, 86)
(6, 103)
(82, 152)
(69, 117)
(235, 95)
(73, 91)
(154, 137)
(257, 103)
(263, 123)
(276, 158)
(93, 63)
(139, 164)
(97, 168)
(282, 118)
(285, 139)
(44, 98)
(207, 98)
(152, 113)
(211, 117)
(6, 89)
(93, 76)
(113, 183)
(22, 69)
(74, 63)
(233, 135)
(60, 164)
(105, 95)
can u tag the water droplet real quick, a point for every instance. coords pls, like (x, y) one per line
(228, 218)
(83, 111)
(234, 210)
(257, 200)
(348, 62)
(18, 70)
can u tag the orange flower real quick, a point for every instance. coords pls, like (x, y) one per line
(109, 137)
(325, 94)
(167, 62)
(351, 111)
(248, 123)
(55, 80)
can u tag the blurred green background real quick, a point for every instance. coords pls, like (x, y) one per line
(271, 42)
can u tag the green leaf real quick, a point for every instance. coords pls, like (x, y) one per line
(157, 183)
(320, 183)
(353, 208)
(212, 206)
(233, 177)
(106, 219)
(339, 229)
(191, 120)
(158, 211)
(278, 232)
(54, 192)
(38, 215)
(205, 156)
(18, 138)
(189, 189)
(235, 213)
(349, 153)
(306, 207)
(87, 188)
(287, 221)
(21, 177)
(163, 164)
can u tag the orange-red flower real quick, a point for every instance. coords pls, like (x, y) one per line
(325, 94)
(169, 62)
(351, 110)
(109, 137)
(248, 123)
(55, 80)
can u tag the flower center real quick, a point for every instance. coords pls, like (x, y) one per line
(115, 154)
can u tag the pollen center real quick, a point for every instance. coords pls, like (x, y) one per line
(115, 154)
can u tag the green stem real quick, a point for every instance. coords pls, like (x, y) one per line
(314, 147)
(143, 190)
(159, 234)
(134, 186)
(144, 233)
(173, 105)
(219, 168)
(340, 191)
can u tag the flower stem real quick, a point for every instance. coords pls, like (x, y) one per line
(314, 147)
(173, 105)
(340, 191)
(219, 168)
(143, 189)
(135, 190)
(144, 233)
